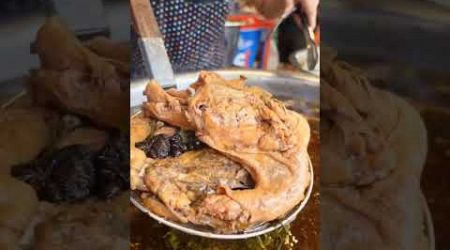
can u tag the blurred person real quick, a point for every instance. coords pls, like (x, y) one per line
(194, 30)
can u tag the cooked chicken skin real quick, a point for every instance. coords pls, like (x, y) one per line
(74, 79)
(139, 130)
(169, 106)
(250, 127)
(373, 148)
(24, 134)
(181, 182)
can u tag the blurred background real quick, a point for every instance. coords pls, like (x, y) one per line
(20, 20)
(402, 46)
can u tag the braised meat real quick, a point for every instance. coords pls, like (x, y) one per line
(248, 126)
(90, 225)
(24, 134)
(167, 106)
(74, 79)
(18, 205)
(373, 147)
(183, 183)
(94, 138)
(160, 146)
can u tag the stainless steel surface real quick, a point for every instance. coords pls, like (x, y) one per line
(157, 61)
(151, 43)
(298, 86)
(312, 57)
(299, 60)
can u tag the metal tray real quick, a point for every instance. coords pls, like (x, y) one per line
(294, 85)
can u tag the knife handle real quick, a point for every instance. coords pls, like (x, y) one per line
(144, 20)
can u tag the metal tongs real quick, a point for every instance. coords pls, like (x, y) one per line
(312, 56)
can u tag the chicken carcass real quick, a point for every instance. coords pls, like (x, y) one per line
(251, 128)
(183, 182)
(373, 147)
(74, 79)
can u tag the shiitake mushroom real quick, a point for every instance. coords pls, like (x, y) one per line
(67, 174)
(163, 146)
(192, 142)
(177, 146)
(156, 147)
(75, 173)
(112, 163)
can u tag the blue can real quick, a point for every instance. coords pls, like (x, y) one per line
(248, 47)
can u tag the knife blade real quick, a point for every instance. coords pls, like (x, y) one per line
(151, 43)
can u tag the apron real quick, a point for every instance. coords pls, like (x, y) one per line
(194, 35)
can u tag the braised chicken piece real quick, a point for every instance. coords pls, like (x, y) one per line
(182, 183)
(90, 225)
(59, 49)
(167, 106)
(24, 134)
(140, 129)
(373, 147)
(18, 205)
(248, 126)
(74, 79)
(93, 138)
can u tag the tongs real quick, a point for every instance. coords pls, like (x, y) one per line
(312, 56)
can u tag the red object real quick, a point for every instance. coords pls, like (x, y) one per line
(252, 21)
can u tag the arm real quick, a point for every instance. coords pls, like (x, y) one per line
(272, 9)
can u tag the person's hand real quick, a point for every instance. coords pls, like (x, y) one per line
(310, 8)
(272, 9)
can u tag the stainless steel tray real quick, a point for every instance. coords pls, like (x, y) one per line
(294, 85)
